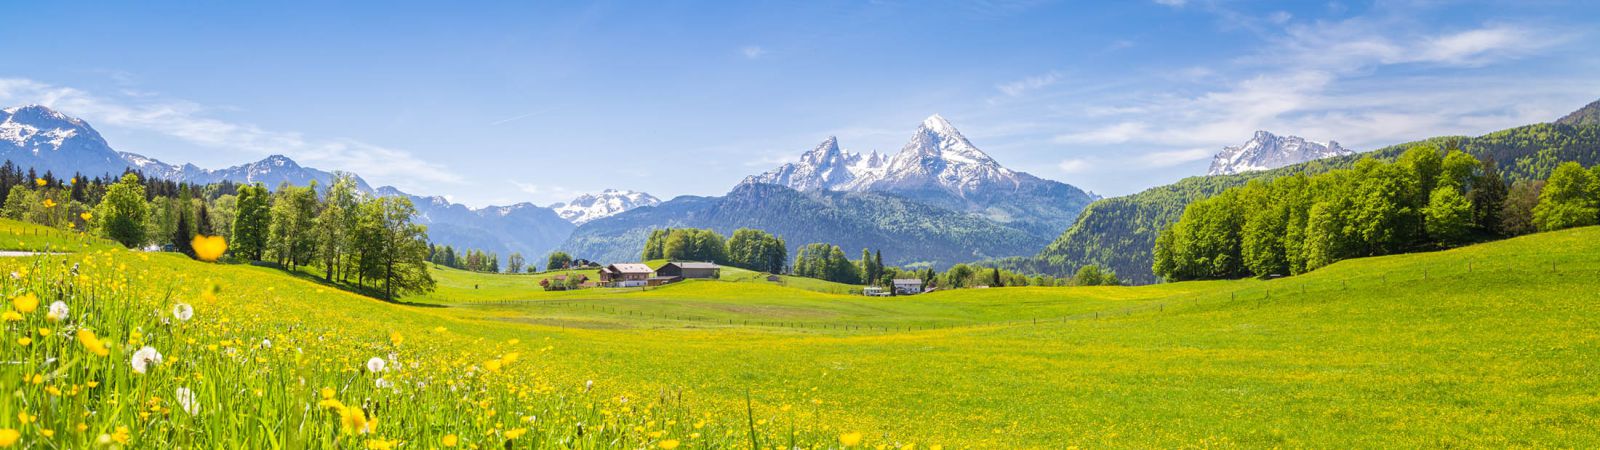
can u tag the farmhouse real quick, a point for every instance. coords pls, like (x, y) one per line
(907, 286)
(625, 275)
(688, 270)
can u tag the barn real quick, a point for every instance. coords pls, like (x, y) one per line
(690, 270)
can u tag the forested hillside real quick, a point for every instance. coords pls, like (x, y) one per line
(1119, 233)
(907, 231)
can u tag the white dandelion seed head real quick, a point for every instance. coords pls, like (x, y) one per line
(183, 312)
(58, 311)
(266, 343)
(144, 358)
(186, 399)
(376, 364)
(381, 383)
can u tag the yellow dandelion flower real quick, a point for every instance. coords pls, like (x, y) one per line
(850, 439)
(449, 440)
(668, 444)
(23, 341)
(380, 444)
(92, 343)
(513, 434)
(25, 303)
(40, 182)
(49, 203)
(121, 435)
(86, 216)
(11, 316)
(9, 437)
(209, 248)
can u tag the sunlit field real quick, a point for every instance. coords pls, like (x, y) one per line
(1486, 346)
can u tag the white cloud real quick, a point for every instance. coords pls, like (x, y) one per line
(1076, 165)
(1175, 157)
(1023, 86)
(752, 51)
(1172, 3)
(1113, 134)
(190, 122)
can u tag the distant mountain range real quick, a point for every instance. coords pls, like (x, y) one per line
(939, 201)
(49, 141)
(1269, 151)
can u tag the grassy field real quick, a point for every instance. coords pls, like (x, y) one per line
(1493, 345)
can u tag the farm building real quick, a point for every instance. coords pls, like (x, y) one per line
(907, 286)
(688, 270)
(657, 281)
(625, 275)
(873, 291)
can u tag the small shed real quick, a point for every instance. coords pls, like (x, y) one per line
(907, 286)
(873, 291)
(625, 275)
(688, 270)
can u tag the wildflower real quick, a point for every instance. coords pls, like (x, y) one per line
(356, 421)
(92, 343)
(587, 385)
(58, 311)
(380, 444)
(49, 203)
(850, 439)
(187, 401)
(266, 343)
(183, 312)
(382, 383)
(40, 182)
(9, 437)
(121, 435)
(143, 358)
(25, 303)
(24, 341)
(86, 216)
(449, 440)
(516, 433)
(668, 444)
(11, 316)
(376, 364)
(208, 248)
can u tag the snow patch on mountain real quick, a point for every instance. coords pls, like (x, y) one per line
(588, 207)
(1269, 151)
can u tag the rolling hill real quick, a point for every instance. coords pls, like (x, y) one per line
(1120, 232)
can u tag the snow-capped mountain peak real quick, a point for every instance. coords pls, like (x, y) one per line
(1266, 151)
(607, 203)
(825, 167)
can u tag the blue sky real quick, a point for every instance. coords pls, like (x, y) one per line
(496, 103)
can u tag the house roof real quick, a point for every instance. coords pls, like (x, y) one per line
(907, 281)
(630, 268)
(695, 265)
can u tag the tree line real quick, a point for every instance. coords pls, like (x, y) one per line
(366, 241)
(1425, 199)
(749, 249)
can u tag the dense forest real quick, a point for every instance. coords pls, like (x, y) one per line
(1424, 200)
(1120, 233)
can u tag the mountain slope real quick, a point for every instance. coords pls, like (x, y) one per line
(1119, 233)
(1588, 115)
(907, 231)
(48, 141)
(1269, 151)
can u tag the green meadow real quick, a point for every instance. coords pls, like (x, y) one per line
(1493, 345)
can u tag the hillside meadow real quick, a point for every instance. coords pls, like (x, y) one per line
(1492, 345)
